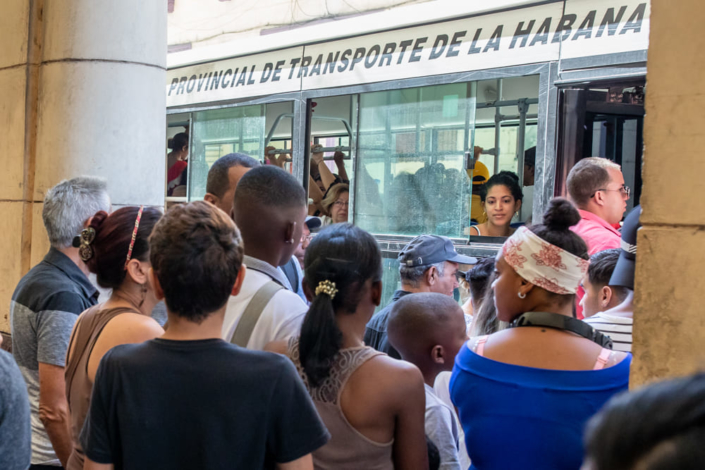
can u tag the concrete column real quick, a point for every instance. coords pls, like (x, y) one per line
(82, 93)
(669, 318)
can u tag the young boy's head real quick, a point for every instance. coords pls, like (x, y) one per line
(196, 254)
(599, 295)
(428, 330)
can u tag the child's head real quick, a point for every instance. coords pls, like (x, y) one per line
(428, 330)
(196, 255)
(599, 295)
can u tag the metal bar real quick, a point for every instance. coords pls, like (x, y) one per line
(298, 143)
(501, 104)
(352, 142)
(497, 126)
(190, 167)
(333, 149)
(280, 151)
(516, 117)
(270, 134)
(523, 108)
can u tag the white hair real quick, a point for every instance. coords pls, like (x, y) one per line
(69, 204)
(413, 275)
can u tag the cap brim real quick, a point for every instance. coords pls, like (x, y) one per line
(462, 259)
(313, 223)
(623, 274)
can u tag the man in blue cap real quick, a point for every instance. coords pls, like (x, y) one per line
(429, 263)
(617, 322)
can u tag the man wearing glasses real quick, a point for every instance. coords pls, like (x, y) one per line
(596, 186)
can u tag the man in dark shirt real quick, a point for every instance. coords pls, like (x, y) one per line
(190, 400)
(44, 308)
(429, 263)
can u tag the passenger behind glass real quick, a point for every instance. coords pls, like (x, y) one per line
(335, 205)
(177, 161)
(372, 405)
(477, 280)
(406, 207)
(479, 175)
(501, 199)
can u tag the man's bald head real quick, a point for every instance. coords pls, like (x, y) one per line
(419, 322)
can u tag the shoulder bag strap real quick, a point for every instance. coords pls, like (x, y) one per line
(252, 312)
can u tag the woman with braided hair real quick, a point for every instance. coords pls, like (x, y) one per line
(372, 405)
(115, 247)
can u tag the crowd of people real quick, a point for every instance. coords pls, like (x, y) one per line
(272, 355)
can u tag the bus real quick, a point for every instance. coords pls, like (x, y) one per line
(409, 98)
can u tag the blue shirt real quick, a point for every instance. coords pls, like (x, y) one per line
(524, 417)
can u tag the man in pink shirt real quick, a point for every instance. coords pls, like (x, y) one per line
(596, 186)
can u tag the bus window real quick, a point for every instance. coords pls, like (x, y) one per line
(176, 163)
(415, 170)
(603, 120)
(331, 169)
(412, 146)
(242, 129)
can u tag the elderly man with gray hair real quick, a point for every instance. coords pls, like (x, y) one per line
(428, 263)
(44, 308)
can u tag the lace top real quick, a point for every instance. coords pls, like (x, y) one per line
(347, 449)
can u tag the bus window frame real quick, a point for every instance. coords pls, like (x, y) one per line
(546, 123)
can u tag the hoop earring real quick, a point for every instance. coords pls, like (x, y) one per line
(521, 296)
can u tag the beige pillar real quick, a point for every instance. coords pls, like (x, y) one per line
(82, 92)
(669, 318)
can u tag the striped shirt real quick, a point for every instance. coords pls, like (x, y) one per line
(617, 328)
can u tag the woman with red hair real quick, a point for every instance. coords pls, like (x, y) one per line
(115, 247)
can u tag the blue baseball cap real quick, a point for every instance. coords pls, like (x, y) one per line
(425, 250)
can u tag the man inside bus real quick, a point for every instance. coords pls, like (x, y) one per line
(222, 181)
(429, 263)
(223, 178)
(596, 187)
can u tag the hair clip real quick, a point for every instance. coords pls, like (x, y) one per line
(328, 288)
(85, 251)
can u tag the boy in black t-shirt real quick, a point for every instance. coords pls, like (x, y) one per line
(189, 400)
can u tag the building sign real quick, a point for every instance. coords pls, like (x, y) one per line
(537, 34)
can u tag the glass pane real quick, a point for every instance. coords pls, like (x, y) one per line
(241, 129)
(176, 175)
(331, 124)
(499, 133)
(411, 177)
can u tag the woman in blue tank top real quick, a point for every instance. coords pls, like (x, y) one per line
(524, 394)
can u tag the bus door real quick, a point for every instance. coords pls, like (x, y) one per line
(605, 120)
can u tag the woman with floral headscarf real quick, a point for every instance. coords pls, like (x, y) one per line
(525, 393)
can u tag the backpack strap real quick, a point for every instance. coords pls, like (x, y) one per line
(252, 312)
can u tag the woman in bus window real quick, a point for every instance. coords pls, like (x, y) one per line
(372, 405)
(501, 200)
(335, 204)
(177, 161)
